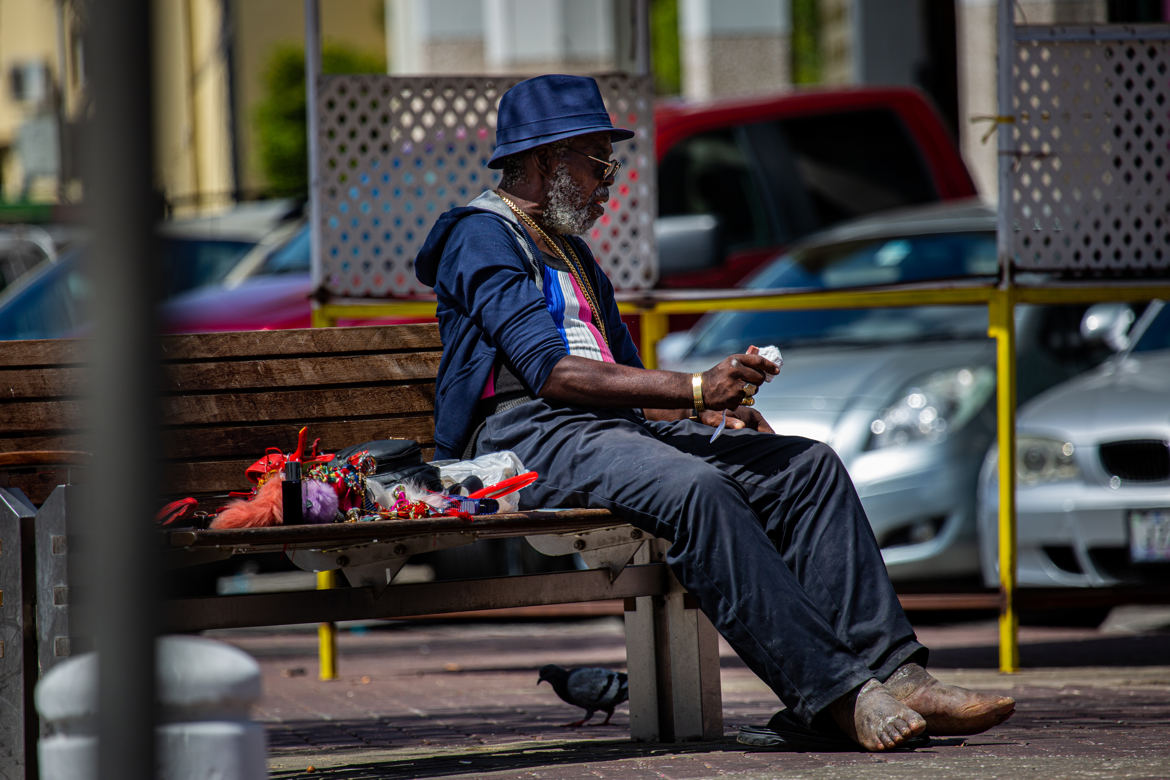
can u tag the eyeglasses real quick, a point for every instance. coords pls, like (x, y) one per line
(609, 168)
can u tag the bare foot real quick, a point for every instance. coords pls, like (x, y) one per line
(874, 719)
(949, 710)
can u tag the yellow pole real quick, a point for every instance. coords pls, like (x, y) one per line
(327, 634)
(320, 318)
(654, 326)
(1001, 327)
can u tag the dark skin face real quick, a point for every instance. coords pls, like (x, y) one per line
(541, 165)
(662, 394)
(587, 172)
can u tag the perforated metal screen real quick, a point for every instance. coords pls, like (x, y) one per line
(1089, 180)
(396, 152)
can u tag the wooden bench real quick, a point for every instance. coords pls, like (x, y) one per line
(229, 396)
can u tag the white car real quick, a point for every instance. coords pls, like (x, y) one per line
(1093, 473)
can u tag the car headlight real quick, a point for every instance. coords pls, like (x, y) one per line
(1040, 460)
(932, 406)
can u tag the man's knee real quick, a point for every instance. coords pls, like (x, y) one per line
(824, 459)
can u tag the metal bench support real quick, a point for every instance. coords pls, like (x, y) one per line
(18, 671)
(672, 654)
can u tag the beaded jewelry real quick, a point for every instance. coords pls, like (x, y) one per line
(578, 274)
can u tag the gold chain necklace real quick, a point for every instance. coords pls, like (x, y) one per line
(578, 274)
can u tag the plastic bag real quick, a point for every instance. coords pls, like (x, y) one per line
(467, 476)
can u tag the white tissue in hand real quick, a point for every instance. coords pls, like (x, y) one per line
(771, 353)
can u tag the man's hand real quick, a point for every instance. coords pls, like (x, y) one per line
(742, 417)
(726, 385)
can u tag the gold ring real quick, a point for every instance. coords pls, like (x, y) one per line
(749, 389)
(749, 401)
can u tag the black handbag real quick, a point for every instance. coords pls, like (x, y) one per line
(397, 460)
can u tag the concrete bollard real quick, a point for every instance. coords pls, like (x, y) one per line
(206, 690)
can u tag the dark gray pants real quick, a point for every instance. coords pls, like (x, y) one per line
(766, 532)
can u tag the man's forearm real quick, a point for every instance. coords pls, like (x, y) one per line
(578, 380)
(666, 414)
(584, 382)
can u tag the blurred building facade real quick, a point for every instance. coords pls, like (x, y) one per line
(211, 57)
(41, 87)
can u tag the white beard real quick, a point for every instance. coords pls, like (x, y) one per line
(560, 213)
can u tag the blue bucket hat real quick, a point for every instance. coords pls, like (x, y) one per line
(544, 109)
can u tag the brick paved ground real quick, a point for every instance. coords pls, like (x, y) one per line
(460, 700)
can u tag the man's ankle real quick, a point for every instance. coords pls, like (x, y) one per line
(907, 679)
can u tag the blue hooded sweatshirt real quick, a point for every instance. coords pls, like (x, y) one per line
(482, 264)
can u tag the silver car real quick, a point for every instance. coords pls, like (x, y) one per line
(1093, 473)
(904, 395)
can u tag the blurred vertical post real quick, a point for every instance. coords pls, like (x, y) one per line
(115, 571)
(632, 37)
(312, 71)
(327, 631)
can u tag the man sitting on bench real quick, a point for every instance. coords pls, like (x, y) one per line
(765, 530)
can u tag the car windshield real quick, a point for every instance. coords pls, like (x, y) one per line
(53, 304)
(193, 262)
(861, 263)
(1156, 336)
(290, 257)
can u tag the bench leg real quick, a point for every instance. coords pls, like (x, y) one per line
(672, 654)
(54, 642)
(18, 662)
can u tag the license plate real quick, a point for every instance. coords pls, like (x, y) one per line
(1149, 535)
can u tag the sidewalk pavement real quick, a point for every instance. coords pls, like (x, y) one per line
(459, 699)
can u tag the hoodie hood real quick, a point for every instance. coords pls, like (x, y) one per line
(426, 264)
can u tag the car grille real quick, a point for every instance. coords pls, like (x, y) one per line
(1139, 460)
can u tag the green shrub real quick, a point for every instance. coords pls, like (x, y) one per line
(280, 117)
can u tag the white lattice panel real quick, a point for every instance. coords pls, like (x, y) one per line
(396, 152)
(1089, 192)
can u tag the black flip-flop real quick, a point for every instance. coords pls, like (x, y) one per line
(785, 732)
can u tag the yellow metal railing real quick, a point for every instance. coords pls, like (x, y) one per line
(1001, 326)
(654, 311)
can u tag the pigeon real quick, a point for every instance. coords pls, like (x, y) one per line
(592, 688)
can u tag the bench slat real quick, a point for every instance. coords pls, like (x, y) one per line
(245, 440)
(293, 406)
(22, 383)
(53, 384)
(503, 524)
(308, 372)
(414, 599)
(42, 352)
(62, 417)
(38, 417)
(253, 440)
(42, 441)
(305, 341)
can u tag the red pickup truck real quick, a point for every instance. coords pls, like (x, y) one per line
(738, 180)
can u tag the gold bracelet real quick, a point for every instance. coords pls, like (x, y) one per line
(697, 391)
